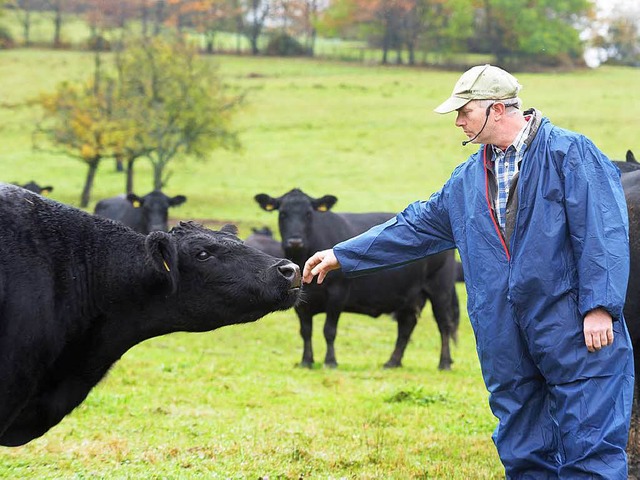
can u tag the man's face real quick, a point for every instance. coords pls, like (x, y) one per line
(471, 118)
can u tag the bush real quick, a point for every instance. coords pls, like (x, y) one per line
(98, 43)
(285, 45)
(6, 40)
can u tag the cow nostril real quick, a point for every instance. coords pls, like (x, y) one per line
(295, 243)
(291, 272)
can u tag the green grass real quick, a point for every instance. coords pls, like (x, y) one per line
(231, 403)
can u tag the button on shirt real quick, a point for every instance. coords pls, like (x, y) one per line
(506, 165)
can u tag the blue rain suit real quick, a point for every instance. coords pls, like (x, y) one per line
(562, 412)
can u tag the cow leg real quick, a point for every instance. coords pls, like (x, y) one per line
(406, 320)
(446, 312)
(306, 330)
(330, 332)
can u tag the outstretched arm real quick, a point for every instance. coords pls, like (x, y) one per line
(320, 264)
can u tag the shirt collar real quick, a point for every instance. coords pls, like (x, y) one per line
(519, 143)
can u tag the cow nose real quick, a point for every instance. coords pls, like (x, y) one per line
(295, 242)
(291, 272)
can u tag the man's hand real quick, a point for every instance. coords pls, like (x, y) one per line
(319, 264)
(598, 329)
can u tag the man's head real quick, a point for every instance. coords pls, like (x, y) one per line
(484, 82)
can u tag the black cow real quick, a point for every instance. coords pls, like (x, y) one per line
(630, 163)
(144, 214)
(306, 226)
(35, 188)
(631, 186)
(262, 239)
(77, 291)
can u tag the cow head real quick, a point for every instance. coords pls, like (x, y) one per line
(154, 208)
(35, 188)
(217, 280)
(295, 219)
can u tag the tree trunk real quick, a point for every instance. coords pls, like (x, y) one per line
(145, 19)
(57, 27)
(129, 185)
(209, 42)
(88, 184)
(157, 175)
(412, 53)
(27, 26)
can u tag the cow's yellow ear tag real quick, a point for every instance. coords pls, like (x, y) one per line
(269, 207)
(322, 208)
(136, 204)
(164, 262)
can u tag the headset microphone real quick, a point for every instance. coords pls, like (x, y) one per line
(486, 119)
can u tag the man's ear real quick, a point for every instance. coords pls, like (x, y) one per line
(267, 202)
(163, 255)
(325, 203)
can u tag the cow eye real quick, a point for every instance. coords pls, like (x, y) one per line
(203, 255)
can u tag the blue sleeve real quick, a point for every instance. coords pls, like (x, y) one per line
(420, 230)
(598, 227)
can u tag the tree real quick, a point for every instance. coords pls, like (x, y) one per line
(540, 30)
(430, 25)
(623, 41)
(251, 16)
(173, 103)
(22, 10)
(78, 121)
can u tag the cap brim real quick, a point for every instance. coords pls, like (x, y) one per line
(451, 104)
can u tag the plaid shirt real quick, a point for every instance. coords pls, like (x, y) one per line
(506, 165)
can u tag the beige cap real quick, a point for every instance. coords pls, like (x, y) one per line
(484, 82)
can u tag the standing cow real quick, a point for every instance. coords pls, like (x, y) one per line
(77, 291)
(631, 186)
(306, 226)
(144, 214)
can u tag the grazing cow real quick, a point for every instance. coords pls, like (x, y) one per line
(144, 214)
(630, 163)
(306, 226)
(35, 188)
(631, 186)
(262, 239)
(77, 291)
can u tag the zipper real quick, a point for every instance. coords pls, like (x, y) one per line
(489, 205)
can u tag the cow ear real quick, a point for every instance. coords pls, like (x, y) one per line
(177, 200)
(46, 190)
(631, 157)
(163, 255)
(324, 203)
(267, 202)
(229, 228)
(135, 200)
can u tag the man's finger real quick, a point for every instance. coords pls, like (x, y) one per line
(610, 336)
(589, 342)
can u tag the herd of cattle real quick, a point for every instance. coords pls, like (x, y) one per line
(78, 290)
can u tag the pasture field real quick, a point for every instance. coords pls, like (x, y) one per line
(231, 403)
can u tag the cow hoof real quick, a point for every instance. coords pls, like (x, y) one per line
(331, 365)
(444, 367)
(391, 364)
(304, 364)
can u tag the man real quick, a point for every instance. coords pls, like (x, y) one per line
(539, 218)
